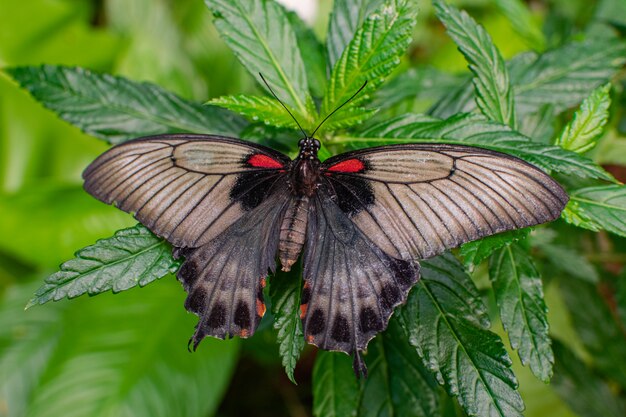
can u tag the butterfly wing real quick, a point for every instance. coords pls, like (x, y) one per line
(225, 277)
(380, 209)
(220, 201)
(415, 201)
(185, 188)
(351, 285)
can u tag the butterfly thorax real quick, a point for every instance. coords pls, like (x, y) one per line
(305, 169)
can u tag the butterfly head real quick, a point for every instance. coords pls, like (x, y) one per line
(308, 148)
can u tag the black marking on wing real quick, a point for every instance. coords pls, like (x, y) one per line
(354, 286)
(224, 278)
(185, 188)
(426, 198)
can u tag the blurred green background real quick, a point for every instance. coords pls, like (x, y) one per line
(125, 354)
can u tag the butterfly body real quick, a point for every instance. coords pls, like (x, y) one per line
(360, 221)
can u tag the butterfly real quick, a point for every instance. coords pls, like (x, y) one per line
(361, 221)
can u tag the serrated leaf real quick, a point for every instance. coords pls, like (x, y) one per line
(122, 355)
(371, 55)
(422, 83)
(518, 14)
(285, 296)
(569, 261)
(131, 257)
(565, 76)
(397, 383)
(257, 109)
(598, 208)
(345, 19)
(454, 343)
(586, 393)
(116, 109)
(473, 253)
(469, 129)
(561, 77)
(491, 79)
(595, 323)
(335, 389)
(581, 133)
(260, 35)
(519, 295)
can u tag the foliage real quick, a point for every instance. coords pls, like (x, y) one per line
(124, 354)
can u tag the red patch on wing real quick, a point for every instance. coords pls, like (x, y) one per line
(349, 165)
(263, 161)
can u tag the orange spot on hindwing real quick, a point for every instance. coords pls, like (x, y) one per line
(260, 308)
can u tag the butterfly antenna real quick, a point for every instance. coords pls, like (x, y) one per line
(285, 107)
(335, 111)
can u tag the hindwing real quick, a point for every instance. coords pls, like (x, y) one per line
(225, 277)
(351, 286)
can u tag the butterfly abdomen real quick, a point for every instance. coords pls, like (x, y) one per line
(293, 231)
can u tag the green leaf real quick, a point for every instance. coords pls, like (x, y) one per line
(473, 253)
(352, 116)
(523, 23)
(570, 261)
(491, 79)
(345, 19)
(595, 323)
(131, 257)
(458, 99)
(423, 83)
(519, 295)
(257, 109)
(567, 75)
(586, 393)
(116, 109)
(598, 208)
(260, 35)
(335, 389)
(156, 49)
(56, 32)
(285, 296)
(582, 132)
(397, 383)
(539, 125)
(313, 54)
(122, 355)
(561, 77)
(371, 55)
(469, 129)
(447, 324)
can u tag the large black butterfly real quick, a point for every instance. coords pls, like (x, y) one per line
(364, 218)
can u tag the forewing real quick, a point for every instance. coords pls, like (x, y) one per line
(351, 286)
(417, 200)
(185, 188)
(225, 277)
